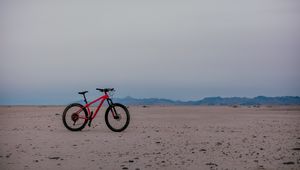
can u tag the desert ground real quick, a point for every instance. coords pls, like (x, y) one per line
(158, 137)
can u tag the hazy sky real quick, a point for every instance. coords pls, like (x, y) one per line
(184, 50)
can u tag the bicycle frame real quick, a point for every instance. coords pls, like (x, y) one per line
(87, 107)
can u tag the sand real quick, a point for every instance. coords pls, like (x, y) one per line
(158, 137)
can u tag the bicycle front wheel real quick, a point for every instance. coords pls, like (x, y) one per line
(117, 117)
(75, 117)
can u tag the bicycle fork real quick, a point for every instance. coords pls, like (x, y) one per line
(113, 110)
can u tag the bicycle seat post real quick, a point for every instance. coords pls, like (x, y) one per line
(85, 99)
(83, 93)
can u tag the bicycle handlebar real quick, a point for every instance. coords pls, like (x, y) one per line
(105, 89)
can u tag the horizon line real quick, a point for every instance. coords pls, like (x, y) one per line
(157, 98)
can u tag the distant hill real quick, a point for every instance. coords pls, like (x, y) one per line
(259, 100)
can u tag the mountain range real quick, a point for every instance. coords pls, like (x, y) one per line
(259, 100)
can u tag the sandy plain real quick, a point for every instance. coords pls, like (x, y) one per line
(158, 137)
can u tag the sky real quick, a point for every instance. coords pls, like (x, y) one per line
(180, 50)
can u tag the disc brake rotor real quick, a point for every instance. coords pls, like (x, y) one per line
(118, 117)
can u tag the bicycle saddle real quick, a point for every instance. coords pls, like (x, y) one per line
(83, 92)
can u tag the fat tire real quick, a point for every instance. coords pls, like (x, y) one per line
(127, 115)
(64, 116)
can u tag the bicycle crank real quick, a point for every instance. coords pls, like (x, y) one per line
(90, 119)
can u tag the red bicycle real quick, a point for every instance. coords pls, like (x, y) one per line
(76, 116)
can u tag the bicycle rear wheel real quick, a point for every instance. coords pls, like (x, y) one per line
(75, 117)
(117, 117)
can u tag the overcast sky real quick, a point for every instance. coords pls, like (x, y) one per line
(187, 50)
